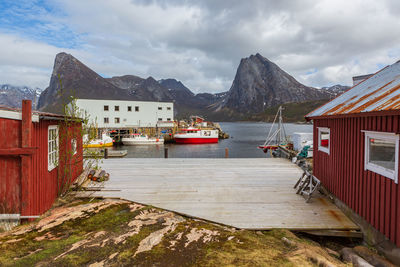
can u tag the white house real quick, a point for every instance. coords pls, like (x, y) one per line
(127, 114)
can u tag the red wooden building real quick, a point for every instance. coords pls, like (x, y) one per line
(356, 149)
(40, 153)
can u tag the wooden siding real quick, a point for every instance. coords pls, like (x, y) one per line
(372, 196)
(43, 186)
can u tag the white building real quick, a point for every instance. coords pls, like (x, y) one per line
(127, 114)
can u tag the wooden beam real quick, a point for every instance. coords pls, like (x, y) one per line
(26, 160)
(17, 151)
(337, 233)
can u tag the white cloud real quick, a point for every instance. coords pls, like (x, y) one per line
(201, 42)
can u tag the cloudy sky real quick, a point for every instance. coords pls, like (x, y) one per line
(319, 42)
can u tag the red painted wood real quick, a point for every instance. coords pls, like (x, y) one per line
(17, 151)
(374, 197)
(26, 160)
(44, 186)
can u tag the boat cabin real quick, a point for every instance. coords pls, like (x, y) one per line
(356, 156)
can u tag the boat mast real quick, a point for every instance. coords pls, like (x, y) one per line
(280, 126)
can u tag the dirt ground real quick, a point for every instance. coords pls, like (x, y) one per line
(120, 233)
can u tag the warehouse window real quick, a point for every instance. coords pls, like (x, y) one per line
(52, 156)
(129, 108)
(105, 108)
(382, 153)
(324, 139)
(116, 120)
(159, 108)
(168, 119)
(160, 119)
(116, 108)
(136, 108)
(168, 108)
(106, 120)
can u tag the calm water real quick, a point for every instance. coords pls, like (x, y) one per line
(243, 142)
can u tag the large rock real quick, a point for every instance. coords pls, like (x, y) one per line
(260, 83)
(71, 78)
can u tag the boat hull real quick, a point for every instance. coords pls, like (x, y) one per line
(98, 145)
(130, 142)
(196, 140)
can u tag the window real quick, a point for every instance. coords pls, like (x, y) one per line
(106, 120)
(168, 108)
(105, 108)
(159, 108)
(324, 138)
(74, 146)
(129, 108)
(52, 156)
(116, 120)
(382, 153)
(160, 119)
(168, 119)
(136, 108)
(116, 108)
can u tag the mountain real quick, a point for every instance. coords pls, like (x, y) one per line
(260, 84)
(336, 90)
(12, 96)
(71, 78)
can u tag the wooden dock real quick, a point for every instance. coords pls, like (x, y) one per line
(244, 193)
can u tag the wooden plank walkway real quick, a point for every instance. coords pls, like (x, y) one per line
(244, 193)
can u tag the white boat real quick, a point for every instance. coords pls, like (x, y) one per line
(141, 139)
(196, 136)
(105, 141)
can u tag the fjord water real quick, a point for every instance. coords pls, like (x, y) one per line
(243, 142)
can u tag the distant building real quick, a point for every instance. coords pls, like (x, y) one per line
(120, 114)
(358, 79)
(357, 152)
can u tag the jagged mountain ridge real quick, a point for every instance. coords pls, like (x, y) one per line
(260, 84)
(12, 96)
(71, 78)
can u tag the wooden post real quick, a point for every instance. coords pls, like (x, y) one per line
(26, 165)
(106, 153)
(226, 152)
(166, 152)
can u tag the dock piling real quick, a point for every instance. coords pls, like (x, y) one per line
(226, 152)
(106, 153)
(166, 152)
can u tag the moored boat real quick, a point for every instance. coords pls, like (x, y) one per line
(196, 136)
(104, 141)
(141, 139)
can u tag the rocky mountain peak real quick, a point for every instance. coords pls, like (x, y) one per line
(259, 83)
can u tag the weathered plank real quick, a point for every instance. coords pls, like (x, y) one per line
(244, 193)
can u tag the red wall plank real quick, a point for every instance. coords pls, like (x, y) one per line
(374, 197)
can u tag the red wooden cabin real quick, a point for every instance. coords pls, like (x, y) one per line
(356, 149)
(40, 153)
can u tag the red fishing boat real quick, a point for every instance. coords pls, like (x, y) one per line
(196, 136)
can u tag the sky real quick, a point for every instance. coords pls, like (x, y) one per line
(319, 42)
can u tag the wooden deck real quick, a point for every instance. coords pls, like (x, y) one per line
(244, 193)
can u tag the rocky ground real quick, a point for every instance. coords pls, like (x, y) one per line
(120, 233)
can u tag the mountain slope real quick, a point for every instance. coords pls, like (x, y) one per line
(12, 96)
(260, 83)
(71, 78)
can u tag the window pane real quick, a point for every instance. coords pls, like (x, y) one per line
(382, 153)
(324, 139)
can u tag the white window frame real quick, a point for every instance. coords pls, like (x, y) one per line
(52, 163)
(376, 168)
(322, 148)
(74, 146)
